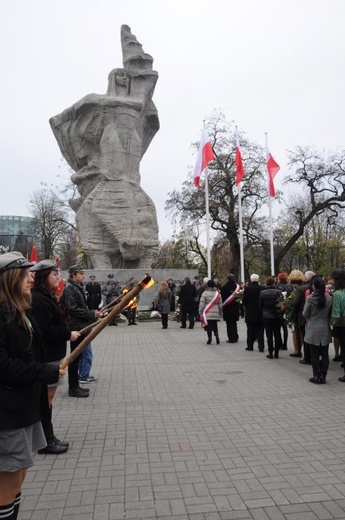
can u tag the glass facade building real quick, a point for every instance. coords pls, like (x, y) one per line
(16, 234)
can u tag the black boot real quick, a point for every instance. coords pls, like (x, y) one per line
(53, 447)
(209, 341)
(217, 340)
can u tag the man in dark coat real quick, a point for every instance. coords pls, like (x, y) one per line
(231, 308)
(187, 302)
(78, 316)
(267, 302)
(93, 293)
(253, 318)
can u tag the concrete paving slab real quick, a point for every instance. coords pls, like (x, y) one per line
(177, 429)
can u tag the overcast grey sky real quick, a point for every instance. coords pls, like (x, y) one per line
(270, 66)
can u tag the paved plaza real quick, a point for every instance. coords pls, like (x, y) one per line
(179, 430)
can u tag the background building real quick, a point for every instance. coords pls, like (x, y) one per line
(16, 234)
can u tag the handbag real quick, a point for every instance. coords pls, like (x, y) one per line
(338, 322)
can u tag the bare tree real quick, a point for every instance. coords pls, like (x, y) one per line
(50, 220)
(321, 185)
(188, 205)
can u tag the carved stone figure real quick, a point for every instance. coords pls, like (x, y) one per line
(103, 138)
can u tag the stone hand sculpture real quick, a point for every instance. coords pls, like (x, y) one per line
(103, 138)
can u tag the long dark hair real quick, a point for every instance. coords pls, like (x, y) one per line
(320, 290)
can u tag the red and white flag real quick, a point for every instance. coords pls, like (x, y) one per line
(239, 163)
(205, 155)
(272, 170)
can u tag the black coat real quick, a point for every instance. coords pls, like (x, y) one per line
(78, 314)
(23, 376)
(231, 312)
(299, 300)
(51, 322)
(250, 301)
(267, 302)
(93, 295)
(187, 296)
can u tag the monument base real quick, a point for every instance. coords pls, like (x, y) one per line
(147, 296)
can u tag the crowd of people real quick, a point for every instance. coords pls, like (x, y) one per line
(306, 305)
(36, 322)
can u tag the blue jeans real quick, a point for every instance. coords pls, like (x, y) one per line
(85, 362)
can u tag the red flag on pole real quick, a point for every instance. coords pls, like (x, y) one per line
(34, 255)
(59, 289)
(272, 170)
(239, 163)
(205, 155)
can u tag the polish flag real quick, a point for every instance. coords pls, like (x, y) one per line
(239, 163)
(272, 170)
(205, 155)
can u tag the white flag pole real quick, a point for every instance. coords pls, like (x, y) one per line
(241, 232)
(240, 223)
(270, 212)
(207, 226)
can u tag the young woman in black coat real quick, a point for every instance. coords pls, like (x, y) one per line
(23, 378)
(55, 334)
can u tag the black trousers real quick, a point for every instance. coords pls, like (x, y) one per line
(255, 331)
(306, 347)
(190, 313)
(272, 329)
(165, 320)
(319, 358)
(231, 329)
(73, 367)
(212, 326)
(340, 333)
(284, 326)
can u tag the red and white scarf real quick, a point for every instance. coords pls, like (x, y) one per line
(232, 296)
(208, 307)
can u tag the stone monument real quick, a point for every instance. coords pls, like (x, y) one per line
(103, 138)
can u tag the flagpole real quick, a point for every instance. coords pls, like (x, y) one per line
(207, 226)
(240, 223)
(270, 212)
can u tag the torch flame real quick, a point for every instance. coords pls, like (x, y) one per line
(147, 282)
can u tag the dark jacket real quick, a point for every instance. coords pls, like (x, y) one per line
(93, 295)
(267, 302)
(302, 292)
(187, 296)
(285, 287)
(23, 376)
(231, 312)
(250, 301)
(74, 301)
(111, 290)
(51, 322)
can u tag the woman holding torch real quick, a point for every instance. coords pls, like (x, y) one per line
(51, 321)
(23, 377)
